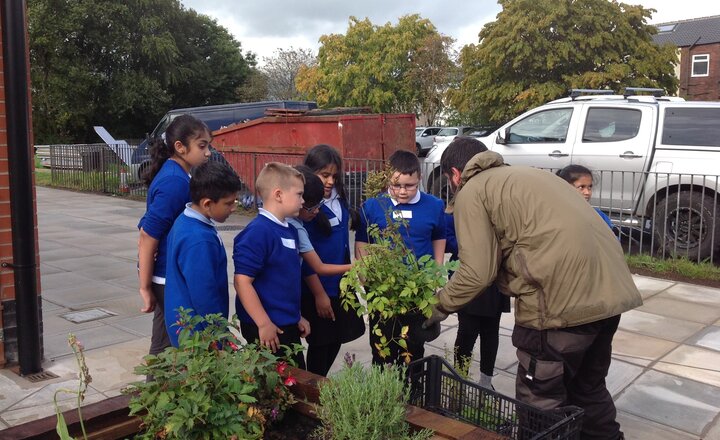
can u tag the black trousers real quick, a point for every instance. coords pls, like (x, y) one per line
(289, 336)
(469, 328)
(159, 339)
(568, 366)
(321, 357)
(391, 329)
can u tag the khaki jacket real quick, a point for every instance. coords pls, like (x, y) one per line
(543, 243)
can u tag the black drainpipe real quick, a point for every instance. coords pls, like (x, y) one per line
(21, 191)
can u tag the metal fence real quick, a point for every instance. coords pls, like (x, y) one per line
(666, 214)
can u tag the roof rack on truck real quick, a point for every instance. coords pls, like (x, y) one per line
(634, 91)
(574, 93)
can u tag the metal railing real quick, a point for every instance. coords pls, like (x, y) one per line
(666, 214)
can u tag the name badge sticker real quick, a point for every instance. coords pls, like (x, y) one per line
(334, 221)
(402, 214)
(288, 243)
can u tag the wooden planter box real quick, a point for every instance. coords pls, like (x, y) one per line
(109, 419)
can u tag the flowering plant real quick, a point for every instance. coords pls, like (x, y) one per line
(211, 386)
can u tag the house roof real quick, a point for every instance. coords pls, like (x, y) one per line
(683, 33)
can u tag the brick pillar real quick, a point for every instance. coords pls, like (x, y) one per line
(8, 322)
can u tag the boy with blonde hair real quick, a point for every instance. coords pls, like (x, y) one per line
(267, 264)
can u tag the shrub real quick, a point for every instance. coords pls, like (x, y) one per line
(366, 404)
(210, 387)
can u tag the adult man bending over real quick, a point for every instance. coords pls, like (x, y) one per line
(543, 243)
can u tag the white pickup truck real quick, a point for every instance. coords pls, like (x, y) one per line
(656, 159)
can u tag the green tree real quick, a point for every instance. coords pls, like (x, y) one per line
(376, 66)
(538, 49)
(124, 64)
(282, 69)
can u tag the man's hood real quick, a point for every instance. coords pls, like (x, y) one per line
(478, 163)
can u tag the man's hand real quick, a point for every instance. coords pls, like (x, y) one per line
(304, 327)
(268, 335)
(149, 300)
(436, 317)
(324, 307)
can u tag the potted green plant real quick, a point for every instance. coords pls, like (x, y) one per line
(211, 386)
(391, 283)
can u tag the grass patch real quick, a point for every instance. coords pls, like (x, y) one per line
(679, 266)
(43, 177)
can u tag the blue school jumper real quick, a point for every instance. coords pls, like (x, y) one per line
(332, 249)
(426, 221)
(196, 270)
(267, 251)
(168, 193)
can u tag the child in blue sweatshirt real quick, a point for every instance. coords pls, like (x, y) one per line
(185, 144)
(267, 264)
(196, 276)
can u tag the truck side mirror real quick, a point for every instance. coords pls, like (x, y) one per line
(502, 136)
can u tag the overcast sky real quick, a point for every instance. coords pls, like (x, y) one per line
(263, 27)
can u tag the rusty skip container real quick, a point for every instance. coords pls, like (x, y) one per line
(369, 137)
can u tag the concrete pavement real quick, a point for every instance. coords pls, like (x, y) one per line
(665, 375)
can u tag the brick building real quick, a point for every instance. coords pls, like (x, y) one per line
(8, 320)
(698, 43)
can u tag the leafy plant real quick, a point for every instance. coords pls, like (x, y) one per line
(389, 279)
(210, 386)
(85, 379)
(366, 404)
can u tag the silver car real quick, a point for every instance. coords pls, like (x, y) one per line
(424, 138)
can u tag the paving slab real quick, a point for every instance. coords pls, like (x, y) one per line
(140, 325)
(696, 294)
(61, 253)
(685, 404)
(620, 375)
(62, 280)
(714, 432)
(708, 338)
(19, 416)
(669, 305)
(82, 295)
(119, 269)
(694, 363)
(112, 368)
(49, 269)
(85, 262)
(658, 326)
(639, 349)
(56, 345)
(650, 286)
(54, 324)
(635, 427)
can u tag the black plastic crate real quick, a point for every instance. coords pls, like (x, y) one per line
(437, 387)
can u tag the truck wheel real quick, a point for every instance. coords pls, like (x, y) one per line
(419, 149)
(684, 222)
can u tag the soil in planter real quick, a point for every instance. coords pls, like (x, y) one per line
(293, 426)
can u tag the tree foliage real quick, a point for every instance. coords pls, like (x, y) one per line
(281, 70)
(124, 64)
(391, 68)
(538, 49)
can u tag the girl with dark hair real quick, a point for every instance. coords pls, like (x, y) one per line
(185, 145)
(329, 233)
(581, 179)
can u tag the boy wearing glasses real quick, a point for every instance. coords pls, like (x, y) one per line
(423, 232)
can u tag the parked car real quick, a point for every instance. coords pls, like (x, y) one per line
(424, 139)
(448, 133)
(654, 158)
(216, 117)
